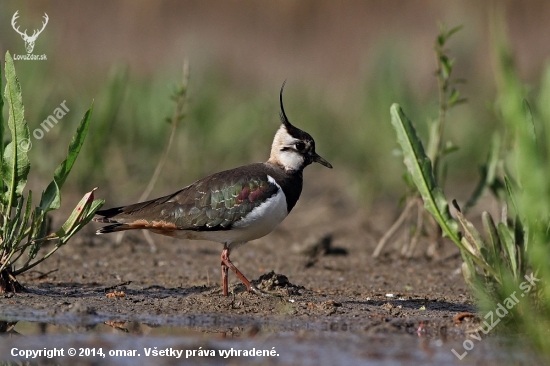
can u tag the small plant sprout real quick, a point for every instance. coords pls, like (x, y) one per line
(449, 96)
(24, 229)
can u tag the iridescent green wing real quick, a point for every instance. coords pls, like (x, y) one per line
(212, 203)
(218, 202)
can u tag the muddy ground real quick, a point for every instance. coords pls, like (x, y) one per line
(324, 277)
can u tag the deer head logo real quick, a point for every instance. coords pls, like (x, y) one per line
(29, 40)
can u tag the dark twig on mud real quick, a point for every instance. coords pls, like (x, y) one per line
(116, 286)
(43, 275)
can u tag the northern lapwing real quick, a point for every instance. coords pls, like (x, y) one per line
(230, 207)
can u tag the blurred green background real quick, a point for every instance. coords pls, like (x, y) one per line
(345, 63)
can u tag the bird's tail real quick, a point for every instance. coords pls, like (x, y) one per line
(112, 228)
(143, 215)
(107, 217)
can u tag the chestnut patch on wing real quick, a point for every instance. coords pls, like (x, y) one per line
(252, 193)
(253, 196)
(243, 195)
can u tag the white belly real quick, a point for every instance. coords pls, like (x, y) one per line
(264, 218)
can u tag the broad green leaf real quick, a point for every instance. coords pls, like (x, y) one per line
(81, 214)
(91, 209)
(15, 162)
(420, 167)
(51, 198)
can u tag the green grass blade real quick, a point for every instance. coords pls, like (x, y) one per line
(51, 198)
(510, 192)
(488, 173)
(15, 222)
(507, 240)
(24, 227)
(1, 131)
(493, 238)
(420, 167)
(15, 163)
(530, 122)
(470, 232)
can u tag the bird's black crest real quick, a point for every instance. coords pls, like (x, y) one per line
(292, 130)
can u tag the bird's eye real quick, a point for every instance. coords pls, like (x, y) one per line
(300, 146)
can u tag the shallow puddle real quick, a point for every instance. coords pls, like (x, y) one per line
(218, 340)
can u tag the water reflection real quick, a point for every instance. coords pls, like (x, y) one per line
(6, 328)
(306, 345)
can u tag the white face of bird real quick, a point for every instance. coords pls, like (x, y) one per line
(294, 152)
(287, 150)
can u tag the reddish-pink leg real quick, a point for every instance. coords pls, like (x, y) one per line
(226, 265)
(225, 274)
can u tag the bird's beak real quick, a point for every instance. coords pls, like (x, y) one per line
(320, 160)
